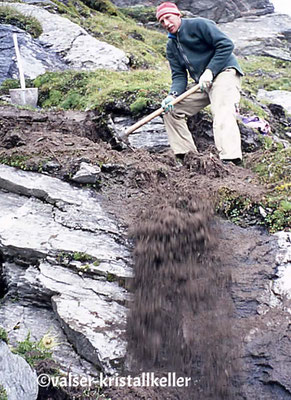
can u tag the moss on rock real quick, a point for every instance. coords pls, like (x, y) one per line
(8, 15)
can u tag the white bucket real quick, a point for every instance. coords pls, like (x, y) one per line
(24, 97)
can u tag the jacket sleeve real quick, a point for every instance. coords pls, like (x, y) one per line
(179, 73)
(221, 44)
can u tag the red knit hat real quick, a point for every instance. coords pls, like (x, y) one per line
(167, 8)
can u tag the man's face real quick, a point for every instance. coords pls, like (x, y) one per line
(170, 22)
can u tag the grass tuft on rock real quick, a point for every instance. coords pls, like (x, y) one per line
(265, 73)
(3, 393)
(10, 16)
(144, 48)
(273, 211)
(97, 90)
(33, 352)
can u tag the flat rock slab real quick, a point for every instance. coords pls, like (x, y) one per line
(264, 35)
(44, 222)
(75, 46)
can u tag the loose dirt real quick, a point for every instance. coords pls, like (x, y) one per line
(182, 316)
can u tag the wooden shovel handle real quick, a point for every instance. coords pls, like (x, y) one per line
(158, 112)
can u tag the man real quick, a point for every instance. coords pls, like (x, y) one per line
(198, 48)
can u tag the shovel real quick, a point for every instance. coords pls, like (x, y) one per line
(148, 118)
(24, 96)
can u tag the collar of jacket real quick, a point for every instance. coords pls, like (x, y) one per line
(172, 36)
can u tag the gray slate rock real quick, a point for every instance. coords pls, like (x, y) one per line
(267, 35)
(219, 10)
(87, 174)
(36, 59)
(39, 321)
(79, 49)
(16, 376)
(44, 222)
(281, 97)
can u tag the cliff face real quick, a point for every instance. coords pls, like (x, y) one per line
(219, 10)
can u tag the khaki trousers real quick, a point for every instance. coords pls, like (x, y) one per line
(223, 96)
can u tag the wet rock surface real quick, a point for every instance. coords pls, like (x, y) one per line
(36, 59)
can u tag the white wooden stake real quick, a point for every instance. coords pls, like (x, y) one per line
(19, 63)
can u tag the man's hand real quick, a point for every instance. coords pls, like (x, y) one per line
(206, 80)
(167, 104)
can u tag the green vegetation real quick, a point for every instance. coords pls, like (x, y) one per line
(265, 73)
(83, 257)
(97, 90)
(3, 334)
(140, 13)
(105, 22)
(16, 161)
(13, 84)
(8, 15)
(247, 106)
(34, 352)
(3, 393)
(103, 6)
(271, 212)
(274, 169)
(274, 210)
(66, 258)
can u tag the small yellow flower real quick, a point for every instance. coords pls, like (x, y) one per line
(49, 341)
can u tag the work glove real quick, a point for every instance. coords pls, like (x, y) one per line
(166, 103)
(206, 80)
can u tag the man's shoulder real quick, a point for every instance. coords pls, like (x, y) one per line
(196, 21)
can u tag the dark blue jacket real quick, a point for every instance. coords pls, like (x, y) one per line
(199, 44)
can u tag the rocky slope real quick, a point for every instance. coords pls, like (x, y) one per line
(219, 11)
(81, 211)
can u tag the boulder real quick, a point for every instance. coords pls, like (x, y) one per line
(73, 49)
(36, 59)
(65, 253)
(281, 97)
(267, 35)
(219, 11)
(16, 376)
(87, 173)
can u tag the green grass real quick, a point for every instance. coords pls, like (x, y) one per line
(265, 73)
(33, 352)
(8, 15)
(144, 48)
(96, 90)
(140, 13)
(3, 334)
(273, 167)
